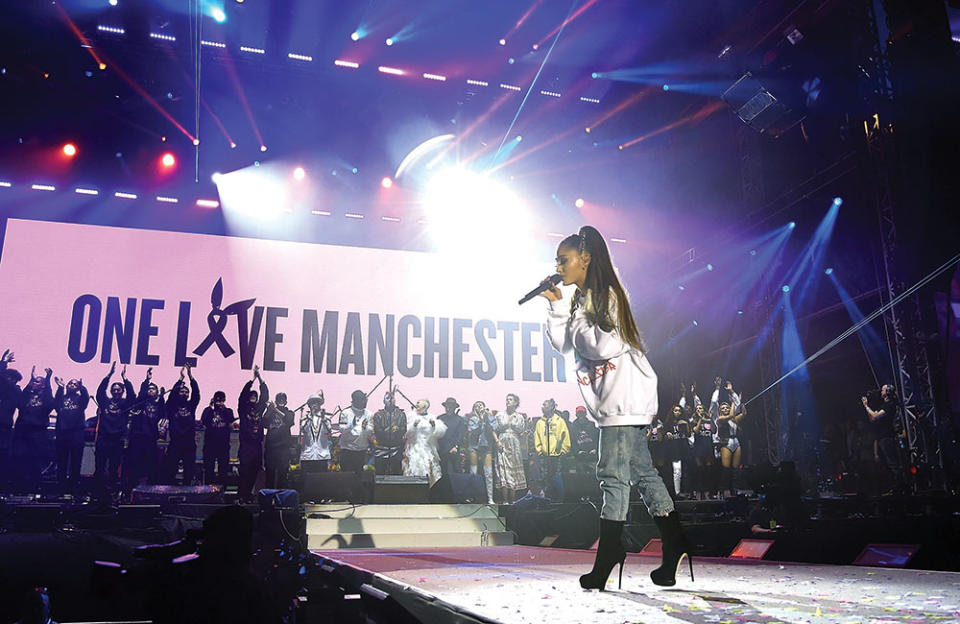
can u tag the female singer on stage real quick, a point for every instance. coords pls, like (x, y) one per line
(619, 388)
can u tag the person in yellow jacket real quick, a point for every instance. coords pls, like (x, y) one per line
(551, 440)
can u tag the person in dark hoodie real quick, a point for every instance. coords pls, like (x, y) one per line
(142, 454)
(278, 419)
(217, 420)
(113, 415)
(182, 416)
(250, 407)
(30, 432)
(9, 399)
(71, 403)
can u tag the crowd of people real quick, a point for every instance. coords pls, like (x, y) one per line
(697, 449)
(150, 436)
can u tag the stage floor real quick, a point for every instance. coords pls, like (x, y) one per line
(531, 584)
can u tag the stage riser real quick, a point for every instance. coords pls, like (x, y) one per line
(346, 510)
(408, 540)
(403, 525)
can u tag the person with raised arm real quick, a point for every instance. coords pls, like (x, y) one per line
(113, 413)
(71, 403)
(182, 418)
(250, 408)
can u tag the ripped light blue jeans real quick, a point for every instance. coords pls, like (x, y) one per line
(625, 459)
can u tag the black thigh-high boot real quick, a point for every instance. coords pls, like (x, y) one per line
(610, 552)
(675, 547)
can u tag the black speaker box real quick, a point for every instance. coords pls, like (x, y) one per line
(335, 486)
(160, 494)
(390, 490)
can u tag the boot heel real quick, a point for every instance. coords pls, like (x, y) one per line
(620, 578)
(690, 563)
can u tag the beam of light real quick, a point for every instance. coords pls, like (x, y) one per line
(103, 60)
(797, 395)
(536, 76)
(874, 348)
(241, 95)
(343, 63)
(498, 157)
(807, 269)
(866, 321)
(563, 24)
(553, 139)
(622, 106)
(691, 119)
(463, 134)
(216, 118)
(523, 18)
(390, 70)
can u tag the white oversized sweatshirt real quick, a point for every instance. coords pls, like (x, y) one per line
(618, 384)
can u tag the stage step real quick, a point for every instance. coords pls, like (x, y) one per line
(347, 510)
(405, 526)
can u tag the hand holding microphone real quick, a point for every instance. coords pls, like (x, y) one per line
(547, 289)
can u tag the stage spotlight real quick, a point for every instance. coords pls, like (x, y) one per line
(740, 312)
(579, 203)
(503, 42)
(785, 288)
(196, 142)
(709, 267)
(829, 271)
(519, 138)
(168, 160)
(355, 36)
(112, 2)
(299, 173)
(70, 150)
(386, 183)
(389, 41)
(263, 148)
(666, 87)
(511, 60)
(232, 145)
(354, 171)
(457, 200)
(837, 201)
(216, 177)
(792, 224)
(681, 287)
(594, 75)
(695, 323)
(218, 14)
(102, 66)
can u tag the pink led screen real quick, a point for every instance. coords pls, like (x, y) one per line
(77, 297)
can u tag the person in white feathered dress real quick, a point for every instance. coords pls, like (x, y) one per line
(423, 431)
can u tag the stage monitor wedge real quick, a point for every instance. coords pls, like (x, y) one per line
(751, 549)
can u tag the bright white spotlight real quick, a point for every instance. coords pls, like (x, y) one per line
(579, 203)
(386, 183)
(218, 14)
(216, 177)
(355, 36)
(112, 2)
(263, 148)
(457, 201)
(829, 271)
(503, 42)
(299, 173)
(389, 41)
(837, 201)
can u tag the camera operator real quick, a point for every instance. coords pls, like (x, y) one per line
(883, 424)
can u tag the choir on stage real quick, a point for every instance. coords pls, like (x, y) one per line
(152, 437)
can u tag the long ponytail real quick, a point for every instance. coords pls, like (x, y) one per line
(601, 281)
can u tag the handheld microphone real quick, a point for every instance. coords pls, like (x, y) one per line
(546, 284)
